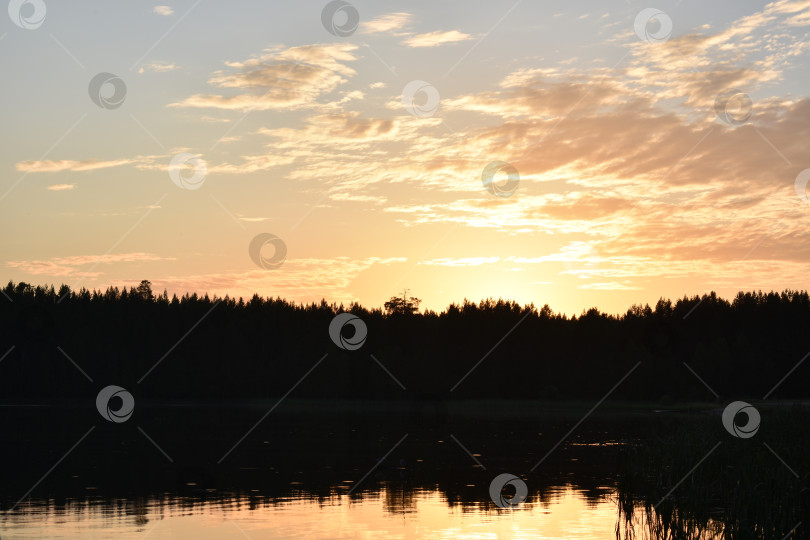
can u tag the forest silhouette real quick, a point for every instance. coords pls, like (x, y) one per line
(199, 347)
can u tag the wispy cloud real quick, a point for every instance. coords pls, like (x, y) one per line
(71, 266)
(464, 261)
(50, 165)
(300, 280)
(214, 120)
(248, 164)
(390, 23)
(291, 78)
(61, 187)
(158, 67)
(435, 39)
(609, 286)
(357, 198)
(165, 11)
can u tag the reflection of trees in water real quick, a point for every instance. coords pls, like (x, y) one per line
(320, 454)
(140, 510)
(741, 490)
(639, 520)
(399, 499)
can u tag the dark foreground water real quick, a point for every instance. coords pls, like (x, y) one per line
(326, 470)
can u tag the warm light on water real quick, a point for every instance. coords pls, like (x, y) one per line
(566, 513)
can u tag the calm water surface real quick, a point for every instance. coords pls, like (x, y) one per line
(168, 473)
(565, 513)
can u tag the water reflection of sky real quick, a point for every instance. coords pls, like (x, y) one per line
(565, 513)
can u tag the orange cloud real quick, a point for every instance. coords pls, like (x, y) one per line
(300, 280)
(290, 78)
(70, 165)
(70, 266)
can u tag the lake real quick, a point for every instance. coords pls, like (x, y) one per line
(332, 470)
(388, 513)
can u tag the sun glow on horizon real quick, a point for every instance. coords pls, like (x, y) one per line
(574, 158)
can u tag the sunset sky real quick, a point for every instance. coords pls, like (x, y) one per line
(631, 185)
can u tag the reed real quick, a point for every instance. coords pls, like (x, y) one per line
(746, 488)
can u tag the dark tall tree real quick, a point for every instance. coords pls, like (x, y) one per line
(403, 305)
(144, 290)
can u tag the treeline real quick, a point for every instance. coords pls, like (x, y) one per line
(226, 348)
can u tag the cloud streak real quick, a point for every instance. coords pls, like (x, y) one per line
(71, 266)
(300, 280)
(436, 39)
(61, 165)
(291, 78)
